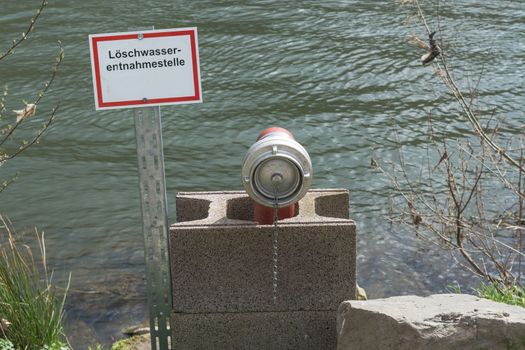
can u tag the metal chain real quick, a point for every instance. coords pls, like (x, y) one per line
(275, 237)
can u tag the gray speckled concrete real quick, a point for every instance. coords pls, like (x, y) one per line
(296, 330)
(221, 263)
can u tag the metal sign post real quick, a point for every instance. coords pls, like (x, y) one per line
(147, 68)
(152, 183)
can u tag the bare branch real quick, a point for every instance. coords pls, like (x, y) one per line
(466, 106)
(41, 94)
(25, 34)
(36, 138)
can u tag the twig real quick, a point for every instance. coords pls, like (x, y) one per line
(450, 82)
(36, 137)
(41, 94)
(26, 33)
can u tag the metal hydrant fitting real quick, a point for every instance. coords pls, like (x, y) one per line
(276, 174)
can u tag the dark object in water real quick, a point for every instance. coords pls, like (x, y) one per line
(433, 50)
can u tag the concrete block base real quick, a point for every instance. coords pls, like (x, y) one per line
(222, 265)
(289, 330)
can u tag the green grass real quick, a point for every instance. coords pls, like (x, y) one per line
(95, 347)
(130, 343)
(28, 300)
(514, 295)
(6, 345)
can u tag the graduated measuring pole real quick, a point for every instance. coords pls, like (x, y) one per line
(146, 69)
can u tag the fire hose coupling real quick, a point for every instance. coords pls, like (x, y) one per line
(277, 170)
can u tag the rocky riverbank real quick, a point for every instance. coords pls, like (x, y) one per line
(441, 321)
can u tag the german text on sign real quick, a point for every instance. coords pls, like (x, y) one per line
(145, 68)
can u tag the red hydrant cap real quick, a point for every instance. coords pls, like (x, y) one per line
(274, 129)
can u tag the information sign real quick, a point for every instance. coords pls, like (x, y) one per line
(145, 68)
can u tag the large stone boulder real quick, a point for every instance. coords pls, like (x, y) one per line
(437, 322)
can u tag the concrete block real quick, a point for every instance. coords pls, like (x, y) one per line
(221, 261)
(305, 330)
(221, 266)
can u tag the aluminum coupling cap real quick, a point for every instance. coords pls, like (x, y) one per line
(277, 170)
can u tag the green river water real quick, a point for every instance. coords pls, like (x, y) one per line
(338, 74)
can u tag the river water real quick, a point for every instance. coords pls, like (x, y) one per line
(338, 74)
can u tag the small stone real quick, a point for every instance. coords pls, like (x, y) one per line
(136, 330)
(4, 325)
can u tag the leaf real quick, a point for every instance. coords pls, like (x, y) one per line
(27, 111)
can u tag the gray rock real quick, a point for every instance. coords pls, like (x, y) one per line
(136, 330)
(437, 322)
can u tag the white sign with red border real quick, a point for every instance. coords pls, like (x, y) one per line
(145, 68)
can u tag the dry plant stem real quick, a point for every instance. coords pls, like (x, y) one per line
(498, 173)
(520, 217)
(466, 106)
(463, 230)
(445, 219)
(459, 208)
(26, 33)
